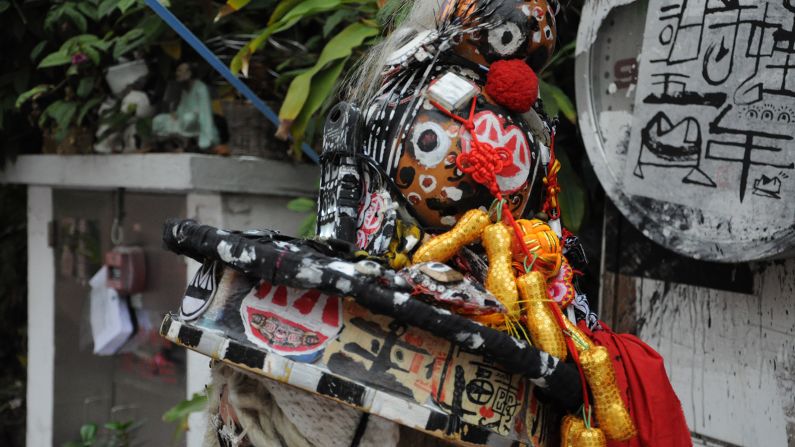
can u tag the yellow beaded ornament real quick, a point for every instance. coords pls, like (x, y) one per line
(444, 246)
(590, 437)
(611, 413)
(498, 241)
(570, 428)
(544, 331)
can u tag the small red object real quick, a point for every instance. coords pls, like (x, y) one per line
(512, 84)
(126, 269)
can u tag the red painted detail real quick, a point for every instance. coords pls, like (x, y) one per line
(414, 340)
(263, 289)
(280, 296)
(331, 313)
(416, 363)
(307, 302)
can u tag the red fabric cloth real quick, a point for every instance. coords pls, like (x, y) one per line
(644, 385)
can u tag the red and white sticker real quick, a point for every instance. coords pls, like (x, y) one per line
(371, 216)
(491, 129)
(290, 321)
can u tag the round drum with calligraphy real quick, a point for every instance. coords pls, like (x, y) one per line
(687, 114)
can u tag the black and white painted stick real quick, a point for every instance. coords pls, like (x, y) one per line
(297, 263)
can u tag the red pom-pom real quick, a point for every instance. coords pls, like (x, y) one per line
(512, 84)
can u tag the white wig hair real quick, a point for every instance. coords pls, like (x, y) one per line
(406, 20)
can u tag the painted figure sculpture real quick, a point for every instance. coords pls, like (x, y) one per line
(439, 248)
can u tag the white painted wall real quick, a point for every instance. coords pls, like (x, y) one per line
(41, 319)
(730, 356)
(207, 209)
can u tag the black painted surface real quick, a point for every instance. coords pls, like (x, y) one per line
(243, 355)
(629, 252)
(189, 336)
(343, 390)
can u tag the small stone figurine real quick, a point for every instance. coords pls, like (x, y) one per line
(193, 116)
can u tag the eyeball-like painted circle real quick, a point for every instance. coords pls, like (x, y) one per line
(507, 39)
(430, 143)
(438, 266)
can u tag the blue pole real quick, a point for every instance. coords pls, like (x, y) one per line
(175, 24)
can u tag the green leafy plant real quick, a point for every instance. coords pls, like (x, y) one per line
(556, 101)
(99, 32)
(180, 412)
(311, 86)
(88, 435)
(309, 207)
(112, 434)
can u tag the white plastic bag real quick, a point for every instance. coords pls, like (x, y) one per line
(111, 324)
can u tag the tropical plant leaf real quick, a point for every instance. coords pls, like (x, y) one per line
(556, 101)
(339, 47)
(92, 53)
(106, 7)
(301, 10)
(240, 61)
(183, 409)
(62, 112)
(124, 5)
(88, 432)
(76, 17)
(322, 85)
(87, 107)
(55, 59)
(53, 16)
(4, 4)
(281, 9)
(128, 41)
(230, 7)
(572, 195)
(563, 53)
(85, 86)
(302, 205)
(31, 93)
(308, 225)
(335, 19)
(88, 9)
(36, 52)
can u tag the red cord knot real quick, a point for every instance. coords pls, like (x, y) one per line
(483, 162)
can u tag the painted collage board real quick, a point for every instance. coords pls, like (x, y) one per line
(252, 323)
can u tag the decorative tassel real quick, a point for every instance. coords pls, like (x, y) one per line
(581, 341)
(542, 243)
